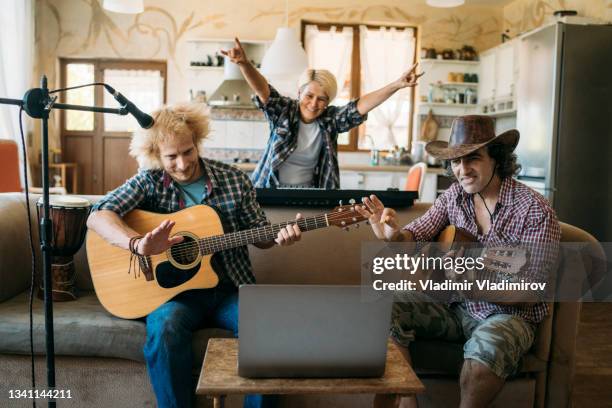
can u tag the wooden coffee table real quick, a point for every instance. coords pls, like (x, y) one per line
(219, 377)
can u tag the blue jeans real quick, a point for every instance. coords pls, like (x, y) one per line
(167, 351)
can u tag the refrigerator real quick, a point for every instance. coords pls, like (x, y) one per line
(564, 115)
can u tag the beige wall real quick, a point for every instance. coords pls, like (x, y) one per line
(81, 28)
(523, 15)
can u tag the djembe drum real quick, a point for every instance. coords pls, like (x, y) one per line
(69, 217)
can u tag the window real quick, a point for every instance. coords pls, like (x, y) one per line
(78, 74)
(97, 142)
(142, 82)
(363, 59)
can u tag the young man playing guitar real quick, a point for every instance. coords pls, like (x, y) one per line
(174, 176)
(496, 209)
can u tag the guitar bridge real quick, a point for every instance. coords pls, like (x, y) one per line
(144, 262)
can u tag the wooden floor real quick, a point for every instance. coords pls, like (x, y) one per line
(593, 381)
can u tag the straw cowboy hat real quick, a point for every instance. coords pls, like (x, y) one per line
(468, 134)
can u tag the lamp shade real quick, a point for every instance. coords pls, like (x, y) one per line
(445, 3)
(285, 58)
(124, 6)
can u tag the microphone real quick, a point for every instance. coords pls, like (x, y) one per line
(145, 121)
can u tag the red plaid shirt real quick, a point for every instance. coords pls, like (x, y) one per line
(521, 216)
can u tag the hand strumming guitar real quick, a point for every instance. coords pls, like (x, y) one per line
(157, 241)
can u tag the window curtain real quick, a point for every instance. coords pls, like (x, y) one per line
(331, 50)
(16, 64)
(386, 53)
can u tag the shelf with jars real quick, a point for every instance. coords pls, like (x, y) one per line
(468, 84)
(449, 88)
(206, 65)
(447, 61)
(445, 85)
(205, 68)
(449, 104)
(445, 94)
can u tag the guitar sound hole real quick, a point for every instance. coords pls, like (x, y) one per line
(186, 252)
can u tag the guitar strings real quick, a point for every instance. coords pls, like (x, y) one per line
(216, 242)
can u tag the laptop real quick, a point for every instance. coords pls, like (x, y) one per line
(312, 331)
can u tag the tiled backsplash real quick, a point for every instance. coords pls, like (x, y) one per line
(229, 155)
(237, 114)
(237, 134)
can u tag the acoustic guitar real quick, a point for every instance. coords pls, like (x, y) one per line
(500, 263)
(135, 292)
(498, 260)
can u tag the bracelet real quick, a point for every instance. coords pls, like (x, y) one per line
(133, 244)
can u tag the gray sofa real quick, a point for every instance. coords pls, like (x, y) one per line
(99, 357)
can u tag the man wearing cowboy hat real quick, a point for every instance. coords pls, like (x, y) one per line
(486, 201)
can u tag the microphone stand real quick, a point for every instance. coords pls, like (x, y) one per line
(38, 104)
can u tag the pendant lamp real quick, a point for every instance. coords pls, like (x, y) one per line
(124, 6)
(445, 3)
(285, 60)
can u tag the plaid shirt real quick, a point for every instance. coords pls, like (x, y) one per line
(521, 216)
(283, 116)
(228, 190)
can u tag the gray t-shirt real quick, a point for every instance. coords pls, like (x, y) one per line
(298, 169)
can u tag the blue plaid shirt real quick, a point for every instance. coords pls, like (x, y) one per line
(228, 190)
(283, 116)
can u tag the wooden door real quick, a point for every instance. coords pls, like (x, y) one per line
(96, 142)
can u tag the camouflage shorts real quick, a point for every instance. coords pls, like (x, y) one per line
(499, 341)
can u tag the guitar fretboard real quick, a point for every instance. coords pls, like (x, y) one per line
(215, 243)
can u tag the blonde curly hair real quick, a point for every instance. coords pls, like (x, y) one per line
(182, 120)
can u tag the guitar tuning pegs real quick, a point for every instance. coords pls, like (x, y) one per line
(352, 201)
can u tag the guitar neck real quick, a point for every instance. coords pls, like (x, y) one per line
(267, 233)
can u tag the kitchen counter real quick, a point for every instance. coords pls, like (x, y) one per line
(357, 168)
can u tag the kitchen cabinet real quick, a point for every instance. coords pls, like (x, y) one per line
(498, 76)
(505, 69)
(486, 92)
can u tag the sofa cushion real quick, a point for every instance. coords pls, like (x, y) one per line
(15, 261)
(81, 328)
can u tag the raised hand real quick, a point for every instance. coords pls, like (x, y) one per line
(409, 78)
(157, 241)
(290, 234)
(383, 220)
(236, 54)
